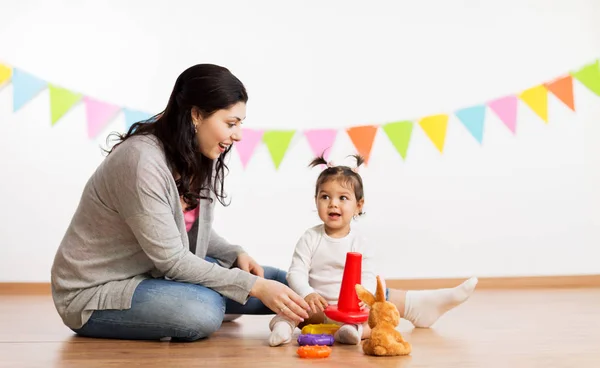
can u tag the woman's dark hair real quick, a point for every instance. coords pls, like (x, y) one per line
(208, 88)
(347, 176)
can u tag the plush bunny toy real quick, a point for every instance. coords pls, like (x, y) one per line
(383, 319)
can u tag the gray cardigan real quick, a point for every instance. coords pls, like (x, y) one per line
(129, 226)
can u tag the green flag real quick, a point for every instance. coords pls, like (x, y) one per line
(589, 76)
(277, 142)
(399, 134)
(61, 101)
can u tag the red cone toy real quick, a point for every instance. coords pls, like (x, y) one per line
(348, 309)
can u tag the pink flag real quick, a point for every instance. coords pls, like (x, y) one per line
(321, 140)
(250, 139)
(506, 109)
(98, 115)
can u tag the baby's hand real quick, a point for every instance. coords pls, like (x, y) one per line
(316, 302)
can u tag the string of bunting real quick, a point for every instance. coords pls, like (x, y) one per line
(100, 113)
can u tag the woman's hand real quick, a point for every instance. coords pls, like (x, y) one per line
(316, 302)
(280, 299)
(246, 263)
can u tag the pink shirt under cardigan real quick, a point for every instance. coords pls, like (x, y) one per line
(190, 217)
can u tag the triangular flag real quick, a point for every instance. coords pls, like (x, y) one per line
(537, 100)
(98, 115)
(562, 88)
(245, 148)
(321, 141)
(363, 137)
(5, 73)
(589, 76)
(506, 109)
(435, 127)
(134, 116)
(25, 87)
(277, 142)
(61, 101)
(473, 119)
(399, 134)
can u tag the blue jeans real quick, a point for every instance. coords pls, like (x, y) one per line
(162, 308)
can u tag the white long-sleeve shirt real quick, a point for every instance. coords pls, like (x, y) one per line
(319, 260)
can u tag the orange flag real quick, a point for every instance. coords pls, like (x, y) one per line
(363, 137)
(562, 88)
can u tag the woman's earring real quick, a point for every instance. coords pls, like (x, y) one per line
(195, 128)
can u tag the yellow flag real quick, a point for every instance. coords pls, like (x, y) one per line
(5, 74)
(435, 127)
(537, 100)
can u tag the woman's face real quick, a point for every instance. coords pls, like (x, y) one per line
(217, 132)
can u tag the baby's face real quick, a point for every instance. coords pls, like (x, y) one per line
(336, 205)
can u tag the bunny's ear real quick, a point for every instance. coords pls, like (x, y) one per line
(364, 295)
(380, 293)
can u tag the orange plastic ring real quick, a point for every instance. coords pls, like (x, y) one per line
(314, 351)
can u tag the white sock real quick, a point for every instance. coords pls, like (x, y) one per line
(423, 307)
(349, 334)
(281, 331)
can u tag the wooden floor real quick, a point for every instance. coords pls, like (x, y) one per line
(545, 328)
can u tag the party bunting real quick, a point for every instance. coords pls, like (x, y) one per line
(5, 73)
(473, 119)
(589, 76)
(321, 141)
(98, 114)
(399, 134)
(537, 99)
(250, 140)
(562, 88)
(277, 141)
(25, 87)
(506, 110)
(435, 127)
(362, 137)
(134, 116)
(61, 101)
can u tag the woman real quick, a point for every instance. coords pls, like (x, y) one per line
(128, 268)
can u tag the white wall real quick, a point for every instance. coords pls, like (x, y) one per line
(514, 206)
